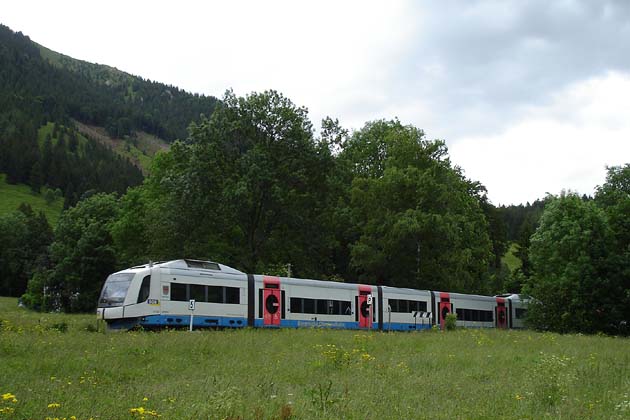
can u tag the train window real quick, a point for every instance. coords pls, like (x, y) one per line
(201, 293)
(407, 306)
(198, 292)
(339, 307)
(474, 315)
(394, 305)
(403, 305)
(232, 295)
(145, 288)
(179, 292)
(309, 306)
(334, 307)
(296, 305)
(346, 307)
(215, 294)
(322, 306)
(520, 313)
(421, 306)
(207, 265)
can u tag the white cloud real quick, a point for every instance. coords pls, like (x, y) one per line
(564, 145)
(526, 82)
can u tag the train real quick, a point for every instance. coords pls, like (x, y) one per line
(204, 294)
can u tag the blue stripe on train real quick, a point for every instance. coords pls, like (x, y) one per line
(394, 326)
(239, 322)
(402, 326)
(178, 321)
(198, 321)
(293, 323)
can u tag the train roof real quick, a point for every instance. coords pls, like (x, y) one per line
(467, 296)
(318, 283)
(404, 290)
(190, 264)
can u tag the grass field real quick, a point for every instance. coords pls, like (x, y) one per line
(54, 365)
(11, 196)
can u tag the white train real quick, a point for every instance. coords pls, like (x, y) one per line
(168, 294)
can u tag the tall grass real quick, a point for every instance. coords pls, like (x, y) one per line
(306, 373)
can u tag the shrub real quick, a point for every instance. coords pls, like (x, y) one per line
(451, 322)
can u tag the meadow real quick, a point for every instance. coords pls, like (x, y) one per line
(14, 195)
(59, 366)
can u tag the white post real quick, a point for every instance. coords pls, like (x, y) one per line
(369, 302)
(191, 307)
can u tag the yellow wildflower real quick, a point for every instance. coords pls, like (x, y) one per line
(54, 405)
(367, 357)
(9, 396)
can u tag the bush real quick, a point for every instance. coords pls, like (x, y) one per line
(451, 322)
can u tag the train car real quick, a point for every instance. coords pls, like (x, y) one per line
(473, 311)
(193, 293)
(158, 295)
(406, 309)
(517, 310)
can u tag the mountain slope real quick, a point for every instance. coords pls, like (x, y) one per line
(61, 86)
(117, 119)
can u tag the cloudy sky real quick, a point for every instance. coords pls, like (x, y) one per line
(532, 97)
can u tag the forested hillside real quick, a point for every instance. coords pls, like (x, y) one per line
(46, 84)
(39, 87)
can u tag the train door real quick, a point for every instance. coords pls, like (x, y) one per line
(364, 307)
(272, 304)
(445, 308)
(501, 313)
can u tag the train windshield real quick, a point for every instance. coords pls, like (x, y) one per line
(115, 290)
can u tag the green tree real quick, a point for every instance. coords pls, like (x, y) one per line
(12, 230)
(569, 256)
(24, 238)
(249, 187)
(614, 198)
(36, 178)
(420, 222)
(81, 257)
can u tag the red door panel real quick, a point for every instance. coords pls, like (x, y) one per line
(272, 304)
(501, 313)
(444, 308)
(364, 310)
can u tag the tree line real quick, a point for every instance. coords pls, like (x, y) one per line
(253, 187)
